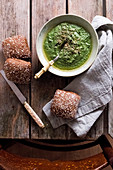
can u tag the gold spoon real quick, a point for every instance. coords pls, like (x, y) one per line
(45, 68)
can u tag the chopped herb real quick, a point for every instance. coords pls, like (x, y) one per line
(72, 43)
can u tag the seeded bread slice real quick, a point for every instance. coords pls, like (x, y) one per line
(17, 70)
(16, 47)
(65, 104)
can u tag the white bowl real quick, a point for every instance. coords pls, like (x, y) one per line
(75, 20)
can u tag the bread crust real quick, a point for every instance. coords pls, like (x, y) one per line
(16, 47)
(65, 104)
(17, 70)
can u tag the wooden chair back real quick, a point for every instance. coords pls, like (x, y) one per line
(53, 155)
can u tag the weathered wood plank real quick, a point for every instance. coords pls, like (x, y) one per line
(109, 14)
(110, 118)
(14, 120)
(42, 90)
(87, 10)
(109, 9)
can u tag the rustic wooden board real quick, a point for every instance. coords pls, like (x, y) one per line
(110, 118)
(86, 9)
(14, 120)
(109, 14)
(15, 19)
(48, 83)
(109, 9)
(42, 90)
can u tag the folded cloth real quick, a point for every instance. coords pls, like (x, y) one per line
(94, 86)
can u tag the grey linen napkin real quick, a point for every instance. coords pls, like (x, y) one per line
(94, 86)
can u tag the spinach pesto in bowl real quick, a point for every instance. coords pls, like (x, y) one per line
(73, 44)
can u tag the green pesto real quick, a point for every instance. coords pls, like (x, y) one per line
(72, 43)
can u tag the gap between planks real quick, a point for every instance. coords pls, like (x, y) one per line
(30, 39)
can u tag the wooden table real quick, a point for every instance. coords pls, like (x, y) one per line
(26, 17)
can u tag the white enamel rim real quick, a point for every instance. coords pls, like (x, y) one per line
(75, 19)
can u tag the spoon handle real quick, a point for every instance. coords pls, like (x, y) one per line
(44, 69)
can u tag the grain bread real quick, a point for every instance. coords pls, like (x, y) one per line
(16, 47)
(17, 70)
(65, 104)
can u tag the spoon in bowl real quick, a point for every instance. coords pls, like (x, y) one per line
(50, 63)
(46, 67)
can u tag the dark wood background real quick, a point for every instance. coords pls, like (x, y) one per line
(26, 17)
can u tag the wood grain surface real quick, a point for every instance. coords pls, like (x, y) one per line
(14, 120)
(109, 9)
(88, 11)
(26, 17)
(49, 83)
(109, 14)
(42, 90)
